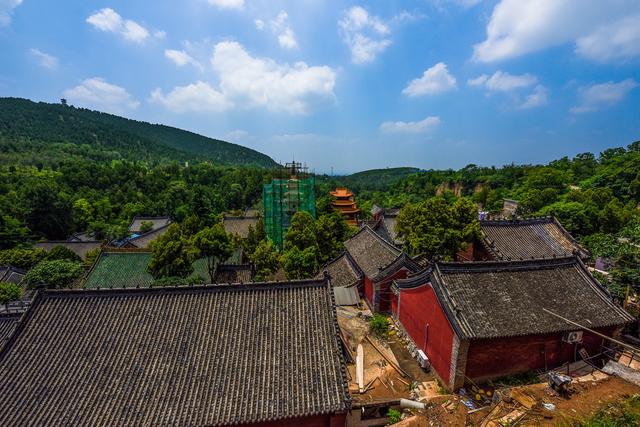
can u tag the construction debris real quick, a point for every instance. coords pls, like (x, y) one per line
(360, 368)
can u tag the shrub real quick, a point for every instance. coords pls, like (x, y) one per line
(394, 416)
(63, 253)
(56, 274)
(9, 292)
(378, 325)
(22, 258)
(178, 281)
(146, 226)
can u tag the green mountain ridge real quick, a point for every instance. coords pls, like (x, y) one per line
(42, 127)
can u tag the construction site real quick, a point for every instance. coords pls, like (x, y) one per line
(388, 386)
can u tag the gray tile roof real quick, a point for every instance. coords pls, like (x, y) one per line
(239, 225)
(342, 270)
(156, 221)
(143, 241)
(8, 324)
(529, 238)
(202, 355)
(370, 251)
(11, 274)
(79, 247)
(502, 298)
(233, 273)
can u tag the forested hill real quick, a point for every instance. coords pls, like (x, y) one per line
(45, 133)
(376, 179)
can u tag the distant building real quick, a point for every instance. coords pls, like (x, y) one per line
(292, 192)
(11, 274)
(140, 238)
(384, 223)
(79, 247)
(240, 225)
(156, 222)
(252, 355)
(522, 239)
(128, 269)
(344, 201)
(345, 277)
(484, 320)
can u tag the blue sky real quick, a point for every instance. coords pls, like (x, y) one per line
(344, 85)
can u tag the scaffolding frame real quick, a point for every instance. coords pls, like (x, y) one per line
(292, 191)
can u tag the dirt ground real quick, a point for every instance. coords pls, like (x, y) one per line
(586, 398)
(388, 383)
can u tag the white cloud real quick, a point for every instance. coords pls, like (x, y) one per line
(134, 32)
(195, 97)
(160, 35)
(227, 4)
(259, 24)
(6, 10)
(281, 27)
(99, 94)
(110, 21)
(538, 98)
(106, 20)
(44, 59)
(247, 81)
(181, 58)
(603, 95)
(421, 126)
(601, 30)
(364, 34)
(436, 79)
(263, 82)
(502, 81)
(618, 40)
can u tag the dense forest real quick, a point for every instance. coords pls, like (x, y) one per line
(47, 134)
(65, 170)
(596, 197)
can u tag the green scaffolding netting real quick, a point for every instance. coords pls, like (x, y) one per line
(282, 199)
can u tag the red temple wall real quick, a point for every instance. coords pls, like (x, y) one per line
(498, 357)
(425, 321)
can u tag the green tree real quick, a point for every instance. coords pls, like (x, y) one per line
(302, 232)
(436, 227)
(214, 244)
(331, 231)
(171, 255)
(146, 226)
(9, 292)
(56, 274)
(24, 258)
(300, 258)
(12, 232)
(300, 264)
(265, 259)
(61, 252)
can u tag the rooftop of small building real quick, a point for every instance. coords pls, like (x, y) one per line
(239, 224)
(201, 355)
(128, 269)
(342, 270)
(371, 252)
(156, 222)
(529, 238)
(494, 299)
